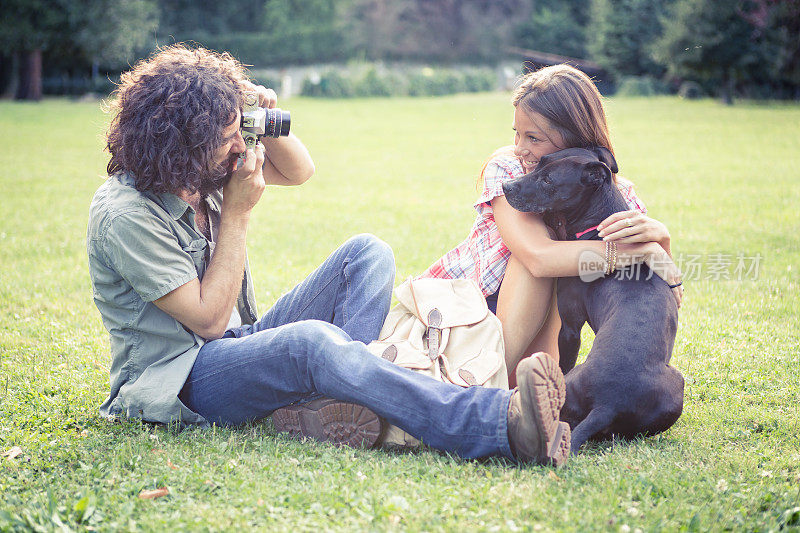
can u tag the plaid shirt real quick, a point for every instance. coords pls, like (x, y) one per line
(482, 256)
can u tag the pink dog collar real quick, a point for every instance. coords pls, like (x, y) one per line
(584, 232)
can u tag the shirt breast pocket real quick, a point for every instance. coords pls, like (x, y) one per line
(198, 251)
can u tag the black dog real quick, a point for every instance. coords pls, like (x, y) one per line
(626, 386)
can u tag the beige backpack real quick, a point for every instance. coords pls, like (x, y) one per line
(442, 328)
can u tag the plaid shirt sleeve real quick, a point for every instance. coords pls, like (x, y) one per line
(626, 188)
(498, 171)
(482, 256)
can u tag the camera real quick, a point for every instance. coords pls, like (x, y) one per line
(261, 122)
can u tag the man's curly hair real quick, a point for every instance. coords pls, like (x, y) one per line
(171, 112)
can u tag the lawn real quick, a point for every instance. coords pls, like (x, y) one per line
(725, 180)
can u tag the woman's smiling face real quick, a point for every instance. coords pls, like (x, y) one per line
(534, 138)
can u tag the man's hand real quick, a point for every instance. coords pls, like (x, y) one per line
(287, 160)
(206, 307)
(266, 97)
(244, 189)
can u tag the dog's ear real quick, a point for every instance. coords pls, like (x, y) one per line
(605, 155)
(595, 174)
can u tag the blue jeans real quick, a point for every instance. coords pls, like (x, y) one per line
(311, 344)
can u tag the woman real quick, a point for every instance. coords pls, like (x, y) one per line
(511, 254)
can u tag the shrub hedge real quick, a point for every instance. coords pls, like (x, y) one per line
(641, 86)
(377, 80)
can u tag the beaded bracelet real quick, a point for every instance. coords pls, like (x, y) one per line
(613, 257)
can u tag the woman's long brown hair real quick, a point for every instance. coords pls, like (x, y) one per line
(569, 100)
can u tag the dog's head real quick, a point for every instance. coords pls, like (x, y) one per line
(562, 181)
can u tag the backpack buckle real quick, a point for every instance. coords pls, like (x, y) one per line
(434, 333)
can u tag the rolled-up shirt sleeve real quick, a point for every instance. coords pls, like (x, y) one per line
(498, 171)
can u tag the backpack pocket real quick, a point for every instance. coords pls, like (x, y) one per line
(405, 354)
(485, 369)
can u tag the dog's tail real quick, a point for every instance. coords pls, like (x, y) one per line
(596, 421)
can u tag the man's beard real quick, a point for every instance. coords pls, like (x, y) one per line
(217, 177)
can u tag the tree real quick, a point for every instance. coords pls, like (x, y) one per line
(556, 27)
(433, 30)
(712, 41)
(111, 31)
(93, 30)
(180, 19)
(26, 29)
(622, 31)
(381, 29)
(274, 32)
(780, 21)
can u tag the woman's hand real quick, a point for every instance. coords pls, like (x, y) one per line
(628, 227)
(659, 261)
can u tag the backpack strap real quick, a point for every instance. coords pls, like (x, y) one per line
(434, 333)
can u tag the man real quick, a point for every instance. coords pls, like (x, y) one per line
(170, 277)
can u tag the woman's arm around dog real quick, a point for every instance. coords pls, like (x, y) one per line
(528, 239)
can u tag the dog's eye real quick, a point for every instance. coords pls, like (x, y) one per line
(546, 178)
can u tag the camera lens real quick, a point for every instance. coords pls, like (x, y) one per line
(278, 123)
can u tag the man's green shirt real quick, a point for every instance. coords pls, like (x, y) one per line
(142, 246)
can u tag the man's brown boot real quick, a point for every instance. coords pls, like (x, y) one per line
(330, 420)
(534, 431)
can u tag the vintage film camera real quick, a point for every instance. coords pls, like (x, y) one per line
(261, 122)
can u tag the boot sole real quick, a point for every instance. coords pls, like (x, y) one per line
(543, 384)
(329, 420)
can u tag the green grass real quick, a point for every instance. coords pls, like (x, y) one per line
(724, 180)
